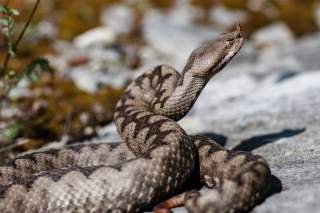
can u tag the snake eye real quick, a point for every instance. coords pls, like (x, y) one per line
(228, 41)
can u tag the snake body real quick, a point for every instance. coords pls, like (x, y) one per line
(156, 160)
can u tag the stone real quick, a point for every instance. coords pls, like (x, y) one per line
(175, 40)
(276, 35)
(290, 201)
(227, 18)
(119, 18)
(306, 52)
(97, 36)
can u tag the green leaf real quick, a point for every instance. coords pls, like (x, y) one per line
(45, 66)
(11, 74)
(7, 26)
(34, 77)
(14, 12)
(12, 52)
(3, 9)
(34, 69)
(3, 22)
(11, 132)
(8, 11)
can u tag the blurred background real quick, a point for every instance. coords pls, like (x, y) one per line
(267, 100)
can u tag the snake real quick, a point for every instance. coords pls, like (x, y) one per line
(156, 160)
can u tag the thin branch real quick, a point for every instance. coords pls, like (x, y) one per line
(4, 68)
(5, 63)
(6, 5)
(15, 45)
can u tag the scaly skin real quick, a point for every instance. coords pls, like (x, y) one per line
(157, 159)
(238, 180)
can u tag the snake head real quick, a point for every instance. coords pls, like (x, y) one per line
(213, 55)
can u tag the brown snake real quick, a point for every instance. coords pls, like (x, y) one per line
(156, 161)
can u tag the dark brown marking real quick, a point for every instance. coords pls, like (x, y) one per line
(87, 171)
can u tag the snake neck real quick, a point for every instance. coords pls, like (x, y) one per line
(186, 91)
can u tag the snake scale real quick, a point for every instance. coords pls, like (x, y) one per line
(156, 160)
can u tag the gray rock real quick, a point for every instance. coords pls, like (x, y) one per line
(288, 103)
(119, 18)
(182, 13)
(306, 52)
(175, 40)
(92, 77)
(45, 30)
(279, 51)
(95, 37)
(227, 18)
(273, 37)
(105, 63)
(277, 117)
(296, 200)
(294, 157)
(105, 68)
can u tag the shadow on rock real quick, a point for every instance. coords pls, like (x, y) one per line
(257, 141)
(276, 185)
(286, 75)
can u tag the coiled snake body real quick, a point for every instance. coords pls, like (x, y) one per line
(156, 161)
